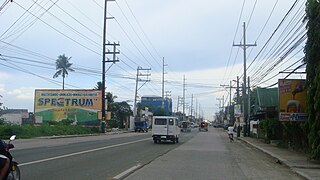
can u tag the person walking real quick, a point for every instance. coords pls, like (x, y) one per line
(230, 133)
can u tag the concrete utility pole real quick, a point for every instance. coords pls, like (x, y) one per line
(184, 97)
(163, 73)
(195, 113)
(137, 89)
(103, 104)
(191, 105)
(244, 94)
(238, 92)
(249, 104)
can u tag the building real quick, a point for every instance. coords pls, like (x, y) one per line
(15, 116)
(155, 103)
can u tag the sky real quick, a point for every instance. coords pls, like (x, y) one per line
(195, 38)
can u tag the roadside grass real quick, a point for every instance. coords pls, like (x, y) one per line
(30, 131)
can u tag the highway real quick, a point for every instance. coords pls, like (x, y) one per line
(92, 157)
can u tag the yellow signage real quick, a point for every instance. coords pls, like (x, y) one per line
(292, 100)
(82, 106)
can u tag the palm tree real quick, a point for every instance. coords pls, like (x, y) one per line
(63, 66)
(98, 86)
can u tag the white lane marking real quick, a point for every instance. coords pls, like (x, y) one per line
(81, 152)
(126, 172)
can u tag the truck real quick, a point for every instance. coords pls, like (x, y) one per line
(165, 128)
(141, 126)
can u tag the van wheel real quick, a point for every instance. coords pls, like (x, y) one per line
(155, 141)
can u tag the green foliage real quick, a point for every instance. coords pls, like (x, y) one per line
(312, 59)
(295, 136)
(271, 128)
(160, 112)
(29, 131)
(63, 66)
(120, 112)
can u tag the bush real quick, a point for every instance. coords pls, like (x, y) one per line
(271, 128)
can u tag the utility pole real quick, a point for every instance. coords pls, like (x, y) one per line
(191, 105)
(249, 104)
(163, 65)
(178, 104)
(244, 94)
(184, 97)
(137, 89)
(238, 92)
(103, 104)
(195, 113)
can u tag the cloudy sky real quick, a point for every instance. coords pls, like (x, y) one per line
(194, 37)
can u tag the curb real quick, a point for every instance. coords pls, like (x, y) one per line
(301, 174)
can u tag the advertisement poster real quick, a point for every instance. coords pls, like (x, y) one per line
(292, 100)
(81, 106)
(237, 110)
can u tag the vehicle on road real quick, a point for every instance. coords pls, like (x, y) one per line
(203, 126)
(185, 126)
(13, 171)
(141, 126)
(165, 128)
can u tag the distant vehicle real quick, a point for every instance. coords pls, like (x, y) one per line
(203, 126)
(185, 126)
(141, 126)
(165, 128)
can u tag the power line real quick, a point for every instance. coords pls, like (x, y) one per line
(73, 40)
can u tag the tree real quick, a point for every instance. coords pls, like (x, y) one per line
(98, 86)
(63, 66)
(120, 112)
(312, 59)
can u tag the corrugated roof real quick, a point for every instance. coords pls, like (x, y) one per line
(266, 97)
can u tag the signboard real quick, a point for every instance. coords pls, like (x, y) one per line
(82, 106)
(237, 110)
(292, 100)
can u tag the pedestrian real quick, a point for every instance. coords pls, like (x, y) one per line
(230, 133)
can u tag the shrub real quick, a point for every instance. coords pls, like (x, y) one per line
(271, 128)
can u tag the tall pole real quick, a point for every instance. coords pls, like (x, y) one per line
(248, 131)
(184, 97)
(163, 73)
(238, 92)
(103, 108)
(136, 94)
(244, 93)
(191, 104)
(135, 108)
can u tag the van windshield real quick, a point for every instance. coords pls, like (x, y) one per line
(160, 121)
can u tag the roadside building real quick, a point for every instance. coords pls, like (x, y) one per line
(15, 116)
(155, 104)
(265, 104)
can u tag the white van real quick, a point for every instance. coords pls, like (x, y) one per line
(165, 128)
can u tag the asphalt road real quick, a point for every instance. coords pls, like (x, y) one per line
(94, 157)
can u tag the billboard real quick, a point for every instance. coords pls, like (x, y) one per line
(292, 100)
(82, 106)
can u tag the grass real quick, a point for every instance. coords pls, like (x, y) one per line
(30, 131)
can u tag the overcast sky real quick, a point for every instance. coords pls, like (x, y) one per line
(194, 37)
